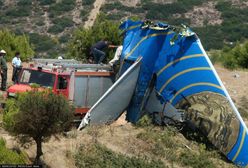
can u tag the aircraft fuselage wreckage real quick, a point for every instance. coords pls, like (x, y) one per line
(174, 79)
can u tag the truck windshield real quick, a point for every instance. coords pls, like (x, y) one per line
(42, 78)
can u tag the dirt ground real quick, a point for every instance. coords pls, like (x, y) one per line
(235, 82)
(118, 136)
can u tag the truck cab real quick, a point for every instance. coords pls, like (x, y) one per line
(46, 79)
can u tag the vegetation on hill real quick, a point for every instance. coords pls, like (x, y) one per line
(12, 43)
(232, 57)
(146, 145)
(213, 36)
(58, 38)
(232, 29)
(44, 44)
(8, 156)
(82, 38)
(97, 155)
(50, 23)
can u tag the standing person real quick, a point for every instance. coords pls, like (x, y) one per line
(4, 69)
(97, 50)
(17, 66)
(117, 55)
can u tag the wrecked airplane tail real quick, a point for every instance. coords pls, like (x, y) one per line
(175, 64)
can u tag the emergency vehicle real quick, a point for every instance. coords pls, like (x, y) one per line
(82, 84)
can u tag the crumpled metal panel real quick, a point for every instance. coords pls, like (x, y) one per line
(116, 99)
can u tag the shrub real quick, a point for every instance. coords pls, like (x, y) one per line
(145, 121)
(237, 57)
(42, 43)
(18, 12)
(196, 161)
(99, 156)
(84, 14)
(82, 39)
(12, 43)
(40, 23)
(10, 157)
(63, 22)
(46, 2)
(61, 7)
(88, 2)
(65, 38)
(24, 3)
(38, 115)
(55, 29)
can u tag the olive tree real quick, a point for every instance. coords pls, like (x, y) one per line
(37, 115)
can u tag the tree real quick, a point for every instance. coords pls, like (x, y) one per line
(82, 38)
(236, 57)
(12, 43)
(37, 115)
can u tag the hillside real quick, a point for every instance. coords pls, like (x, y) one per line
(50, 23)
(122, 143)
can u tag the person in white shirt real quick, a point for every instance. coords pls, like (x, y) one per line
(117, 55)
(17, 66)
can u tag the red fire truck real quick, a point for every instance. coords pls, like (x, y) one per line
(82, 84)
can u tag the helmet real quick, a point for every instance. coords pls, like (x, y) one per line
(2, 52)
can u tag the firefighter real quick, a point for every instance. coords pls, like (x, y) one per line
(17, 66)
(4, 69)
(97, 50)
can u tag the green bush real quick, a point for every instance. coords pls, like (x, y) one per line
(46, 2)
(61, 7)
(96, 156)
(65, 38)
(24, 3)
(88, 2)
(82, 39)
(21, 11)
(121, 8)
(236, 57)
(42, 43)
(84, 14)
(158, 11)
(63, 22)
(10, 157)
(40, 23)
(195, 160)
(12, 43)
(55, 29)
(38, 115)
(145, 121)
(164, 139)
(9, 111)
